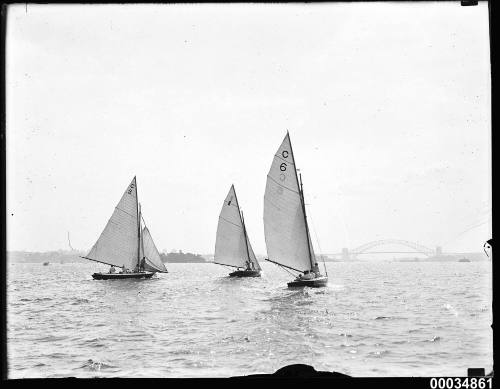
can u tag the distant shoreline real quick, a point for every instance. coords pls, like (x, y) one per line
(63, 256)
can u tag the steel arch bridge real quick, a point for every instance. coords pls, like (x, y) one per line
(412, 245)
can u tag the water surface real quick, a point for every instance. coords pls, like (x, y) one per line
(374, 319)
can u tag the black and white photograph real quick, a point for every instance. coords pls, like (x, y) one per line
(249, 189)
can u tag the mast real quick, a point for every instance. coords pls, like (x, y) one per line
(301, 194)
(242, 223)
(138, 226)
(245, 233)
(141, 242)
(305, 219)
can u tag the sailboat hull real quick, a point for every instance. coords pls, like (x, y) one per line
(118, 276)
(245, 273)
(314, 283)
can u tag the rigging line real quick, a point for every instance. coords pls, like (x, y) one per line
(467, 230)
(288, 271)
(282, 267)
(478, 222)
(486, 211)
(485, 214)
(317, 241)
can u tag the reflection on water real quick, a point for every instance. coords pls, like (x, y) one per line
(372, 320)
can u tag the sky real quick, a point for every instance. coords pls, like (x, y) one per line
(387, 105)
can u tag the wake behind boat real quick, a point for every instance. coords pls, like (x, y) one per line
(124, 244)
(232, 246)
(286, 230)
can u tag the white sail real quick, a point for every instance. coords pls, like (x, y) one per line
(151, 254)
(252, 256)
(230, 245)
(284, 222)
(119, 241)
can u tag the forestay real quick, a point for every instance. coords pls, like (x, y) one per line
(284, 220)
(230, 245)
(118, 243)
(151, 254)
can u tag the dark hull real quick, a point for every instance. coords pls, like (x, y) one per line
(245, 273)
(314, 283)
(118, 276)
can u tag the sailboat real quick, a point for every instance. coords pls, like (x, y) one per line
(232, 246)
(286, 230)
(126, 244)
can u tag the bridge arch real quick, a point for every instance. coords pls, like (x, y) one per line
(353, 253)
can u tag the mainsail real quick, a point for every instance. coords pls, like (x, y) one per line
(151, 254)
(119, 241)
(285, 229)
(232, 246)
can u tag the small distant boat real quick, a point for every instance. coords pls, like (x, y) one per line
(286, 230)
(124, 244)
(232, 246)
(46, 263)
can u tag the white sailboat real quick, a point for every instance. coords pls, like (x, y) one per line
(232, 246)
(286, 230)
(124, 244)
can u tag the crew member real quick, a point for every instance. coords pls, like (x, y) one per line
(316, 270)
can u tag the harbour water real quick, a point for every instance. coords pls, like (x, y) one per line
(374, 319)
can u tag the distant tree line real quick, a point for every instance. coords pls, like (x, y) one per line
(181, 257)
(63, 256)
